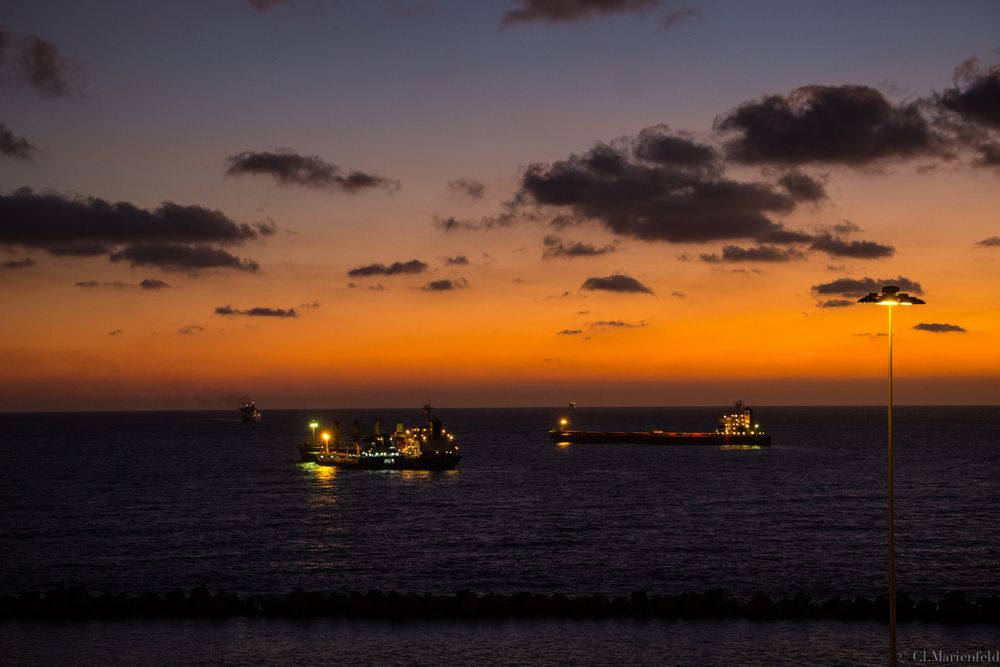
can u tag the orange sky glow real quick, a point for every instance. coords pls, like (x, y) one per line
(519, 328)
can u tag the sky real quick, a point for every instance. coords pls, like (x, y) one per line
(347, 203)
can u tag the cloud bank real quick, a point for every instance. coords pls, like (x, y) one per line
(15, 146)
(468, 187)
(172, 236)
(616, 282)
(257, 311)
(859, 287)
(939, 327)
(568, 11)
(445, 285)
(554, 247)
(396, 268)
(289, 168)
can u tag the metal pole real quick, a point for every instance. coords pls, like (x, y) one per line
(892, 522)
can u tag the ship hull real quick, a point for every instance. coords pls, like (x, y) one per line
(426, 461)
(660, 438)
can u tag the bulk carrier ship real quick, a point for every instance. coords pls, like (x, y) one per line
(736, 429)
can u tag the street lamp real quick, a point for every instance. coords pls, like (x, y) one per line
(314, 425)
(326, 443)
(891, 296)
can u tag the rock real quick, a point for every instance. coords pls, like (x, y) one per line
(761, 607)
(953, 608)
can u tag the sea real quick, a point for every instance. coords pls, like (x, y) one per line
(154, 501)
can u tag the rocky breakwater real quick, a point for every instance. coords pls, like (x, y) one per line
(79, 603)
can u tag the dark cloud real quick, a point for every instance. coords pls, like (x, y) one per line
(82, 249)
(116, 332)
(991, 242)
(451, 224)
(858, 287)
(731, 253)
(53, 221)
(257, 311)
(396, 268)
(511, 214)
(556, 247)
(678, 16)
(445, 285)
(565, 11)
(172, 236)
(835, 303)
(616, 282)
(180, 257)
(267, 5)
(469, 187)
(785, 236)
(857, 249)
(570, 332)
(44, 68)
(989, 155)
(657, 144)
(150, 284)
(617, 324)
(14, 146)
(25, 263)
(312, 304)
(802, 187)
(939, 327)
(375, 288)
(290, 168)
(853, 125)
(976, 94)
(679, 295)
(846, 227)
(679, 196)
(190, 330)
(457, 260)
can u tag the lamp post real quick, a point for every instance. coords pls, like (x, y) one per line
(891, 296)
(314, 425)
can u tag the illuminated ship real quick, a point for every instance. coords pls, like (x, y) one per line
(250, 413)
(736, 429)
(422, 448)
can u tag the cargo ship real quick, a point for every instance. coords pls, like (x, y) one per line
(736, 429)
(429, 447)
(249, 412)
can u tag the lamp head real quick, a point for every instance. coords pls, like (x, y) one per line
(871, 298)
(891, 296)
(907, 300)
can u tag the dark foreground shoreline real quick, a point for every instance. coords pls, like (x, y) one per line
(77, 603)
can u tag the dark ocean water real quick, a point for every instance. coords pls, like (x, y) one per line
(154, 501)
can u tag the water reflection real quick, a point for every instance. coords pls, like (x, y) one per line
(325, 476)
